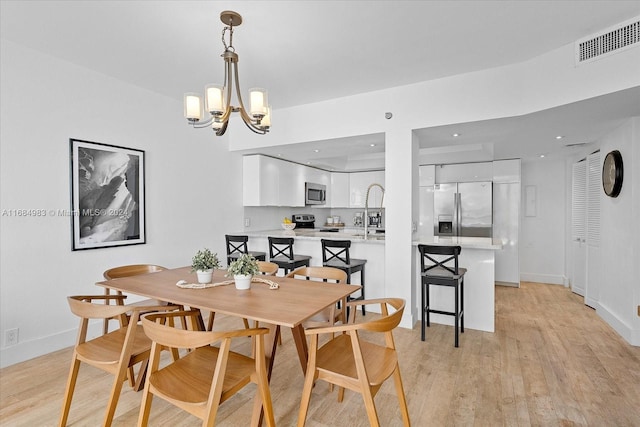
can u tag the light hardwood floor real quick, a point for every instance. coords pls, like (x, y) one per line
(551, 362)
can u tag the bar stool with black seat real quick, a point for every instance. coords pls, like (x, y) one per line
(281, 253)
(335, 253)
(237, 245)
(436, 269)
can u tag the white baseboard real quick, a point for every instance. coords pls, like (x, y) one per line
(632, 336)
(27, 350)
(552, 279)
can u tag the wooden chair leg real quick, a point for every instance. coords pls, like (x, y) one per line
(212, 316)
(145, 406)
(131, 376)
(306, 397)
(397, 379)
(116, 389)
(68, 394)
(370, 406)
(142, 374)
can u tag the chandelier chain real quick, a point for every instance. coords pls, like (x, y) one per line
(228, 48)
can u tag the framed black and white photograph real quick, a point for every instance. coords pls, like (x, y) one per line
(107, 195)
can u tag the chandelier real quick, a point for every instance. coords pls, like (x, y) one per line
(218, 97)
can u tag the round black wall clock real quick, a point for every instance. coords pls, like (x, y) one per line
(612, 173)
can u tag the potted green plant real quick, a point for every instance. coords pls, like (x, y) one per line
(203, 263)
(242, 271)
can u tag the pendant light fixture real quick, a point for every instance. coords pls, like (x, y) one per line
(217, 98)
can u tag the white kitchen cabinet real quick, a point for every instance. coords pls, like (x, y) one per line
(291, 184)
(427, 175)
(317, 176)
(260, 181)
(506, 230)
(267, 181)
(339, 190)
(506, 171)
(464, 172)
(359, 182)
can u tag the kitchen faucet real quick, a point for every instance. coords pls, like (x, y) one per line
(366, 209)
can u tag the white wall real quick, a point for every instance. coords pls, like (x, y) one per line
(542, 237)
(619, 292)
(190, 200)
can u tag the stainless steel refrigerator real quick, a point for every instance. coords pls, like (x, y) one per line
(463, 209)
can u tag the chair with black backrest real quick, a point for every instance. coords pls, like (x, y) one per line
(116, 352)
(237, 246)
(350, 361)
(329, 275)
(281, 253)
(439, 266)
(335, 253)
(207, 375)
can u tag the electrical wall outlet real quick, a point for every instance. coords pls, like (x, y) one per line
(247, 222)
(11, 337)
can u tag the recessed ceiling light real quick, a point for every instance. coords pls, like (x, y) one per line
(542, 156)
(372, 145)
(455, 135)
(316, 151)
(559, 137)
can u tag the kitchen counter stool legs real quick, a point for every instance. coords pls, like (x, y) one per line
(436, 269)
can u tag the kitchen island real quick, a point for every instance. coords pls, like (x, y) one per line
(478, 257)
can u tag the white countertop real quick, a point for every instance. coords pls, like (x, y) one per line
(463, 242)
(313, 234)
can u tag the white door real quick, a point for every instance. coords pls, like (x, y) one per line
(578, 227)
(594, 192)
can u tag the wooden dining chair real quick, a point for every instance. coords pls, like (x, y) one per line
(116, 352)
(331, 314)
(127, 271)
(267, 269)
(351, 362)
(206, 376)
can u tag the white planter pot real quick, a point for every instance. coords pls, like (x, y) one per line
(204, 276)
(243, 281)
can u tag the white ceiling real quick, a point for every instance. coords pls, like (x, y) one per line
(308, 51)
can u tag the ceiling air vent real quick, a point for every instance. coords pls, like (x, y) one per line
(607, 42)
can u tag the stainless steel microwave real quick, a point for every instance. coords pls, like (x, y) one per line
(315, 194)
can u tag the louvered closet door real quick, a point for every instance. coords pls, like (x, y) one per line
(578, 227)
(594, 194)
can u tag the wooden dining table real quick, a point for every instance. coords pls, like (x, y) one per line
(293, 302)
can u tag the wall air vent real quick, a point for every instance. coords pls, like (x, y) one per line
(608, 42)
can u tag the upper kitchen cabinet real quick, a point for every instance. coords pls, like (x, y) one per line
(267, 181)
(339, 190)
(427, 175)
(260, 181)
(291, 185)
(506, 171)
(359, 182)
(464, 172)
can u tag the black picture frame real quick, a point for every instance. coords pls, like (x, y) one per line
(107, 195)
